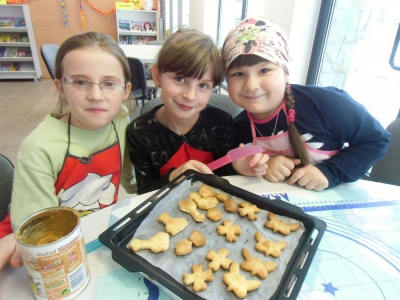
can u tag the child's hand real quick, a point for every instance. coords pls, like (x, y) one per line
(9, 252)
(309, 177)
(280, 167)
(190, 165)
(255, 165)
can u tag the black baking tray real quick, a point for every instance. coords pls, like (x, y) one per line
(117, 237)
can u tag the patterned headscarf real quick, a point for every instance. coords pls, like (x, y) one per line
(260, 37)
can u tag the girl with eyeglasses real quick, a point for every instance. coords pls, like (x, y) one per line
(76, 156)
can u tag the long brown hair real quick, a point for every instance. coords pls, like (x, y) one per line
(295, 140)
(90, 40)
(190, 53)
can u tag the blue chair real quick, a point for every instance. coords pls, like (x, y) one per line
(140, 90)
(387, 169)
(6, 183)
(48, 53)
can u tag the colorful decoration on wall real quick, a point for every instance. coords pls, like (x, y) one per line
(137, 4)
(82, 14)
(15, 1)
(64, 12)
(157, 7)
(104, 12)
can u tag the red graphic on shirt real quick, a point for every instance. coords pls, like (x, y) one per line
(90, 183)
(184, 154)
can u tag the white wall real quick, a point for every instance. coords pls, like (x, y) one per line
(204, 16)
(298, 18)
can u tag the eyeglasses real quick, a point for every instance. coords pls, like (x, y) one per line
(81, 84)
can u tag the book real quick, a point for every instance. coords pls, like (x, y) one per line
(149, 39)
(28, 53)
(138, 40)
(149, 27)
(11, 52)
(15, 66)
(124, 25)
(14, 38)
(5, 67)
(2, 51)
(21, 52)
(4, 38)
(124, 40)
(6, 22)
(136, 26)
(19, 22)
(23, 38)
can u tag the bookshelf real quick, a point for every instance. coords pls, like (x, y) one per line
(19, 39)
(132, 25)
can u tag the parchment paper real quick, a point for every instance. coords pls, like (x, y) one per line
(176, 266)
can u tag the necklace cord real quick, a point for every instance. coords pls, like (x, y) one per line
(276, 122)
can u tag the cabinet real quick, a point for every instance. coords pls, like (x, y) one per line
(18, 53)
(137, 27)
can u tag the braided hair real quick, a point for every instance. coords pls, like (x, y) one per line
(295, 140)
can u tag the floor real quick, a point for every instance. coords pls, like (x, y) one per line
(23, 105)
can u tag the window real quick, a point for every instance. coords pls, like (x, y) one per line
(352, 50)
(230, 14)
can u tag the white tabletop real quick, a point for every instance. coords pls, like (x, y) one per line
(14, 283)
(146, 53)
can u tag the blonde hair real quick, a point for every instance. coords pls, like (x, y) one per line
(190, 53)
(295, 140)
(91, 40)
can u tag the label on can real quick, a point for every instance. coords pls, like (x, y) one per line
(53, 255)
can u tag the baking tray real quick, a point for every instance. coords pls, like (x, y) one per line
(118, 236)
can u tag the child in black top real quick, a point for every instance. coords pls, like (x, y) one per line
(184, 133)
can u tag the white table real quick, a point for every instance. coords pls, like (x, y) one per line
(14, 283)
(146, 53)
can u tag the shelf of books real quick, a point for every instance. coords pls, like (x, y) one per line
(137, 27)
(18, 53)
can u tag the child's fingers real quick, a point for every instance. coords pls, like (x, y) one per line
(16, 259)
(200, 167)
(259, 160)
(296, 176)
(9, 252)
(296, 161)
(260, 170)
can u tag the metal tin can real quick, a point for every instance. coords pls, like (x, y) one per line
(54, 254)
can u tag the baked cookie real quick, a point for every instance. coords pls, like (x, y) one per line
(218, 260)
(269, 247)
(221, 197)
(158, 243)
(204, 203)
(206, 191)
(172, 225)
(280, 226)
(230, 205)
(214, 214)
(248, 210)
(190, 207)
(229, 230)
(198, 278)
(238, 283)
(183, 247)
(197, 238)
(256, 266)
